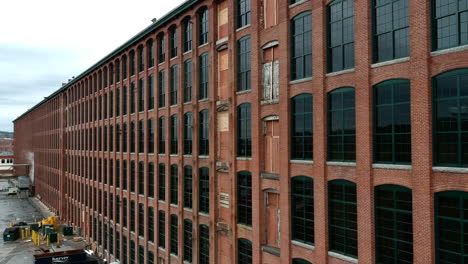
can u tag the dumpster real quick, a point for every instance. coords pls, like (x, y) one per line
(68, 231)
(11, 234)
(53, 237)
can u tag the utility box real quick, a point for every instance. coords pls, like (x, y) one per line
(11, 234)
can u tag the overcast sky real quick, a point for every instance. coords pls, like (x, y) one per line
(44, 43)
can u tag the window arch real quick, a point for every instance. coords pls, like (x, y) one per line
(244, 251)
(302, 209)
(392, 122)
(244, 198)
(204, 190)
(341, 137)
(161, 48)
(393, 224)
(302, 127)
(342, 219)
(450, 92)
(300, 261)
(150, 53)
(187, 26)
(203, 26)
(451, 226)
(244, 130)
(173, 43)
(301, 46)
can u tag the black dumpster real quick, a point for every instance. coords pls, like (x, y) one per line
(11, 234)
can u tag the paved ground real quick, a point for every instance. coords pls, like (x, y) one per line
(14, 209)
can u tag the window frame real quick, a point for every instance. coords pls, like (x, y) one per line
(304, 238)
(302, 117)
(434, 20)
(306, 63)
(244, 81)
(244, 198)
(244, 130)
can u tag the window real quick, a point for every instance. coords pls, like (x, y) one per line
(204, 190)
(188, 187)
(151, 179)
(162, 135)
(141, 95)
(141, 58)
(174, 234)
(393, 224)
(132, 97)
(132, 62)
(141, 178)
(174, 84)
(162, 182)
(132, 176)
(204, 244)
(141, 137)
(125, 175)
(132, 216)
(244, 251)
(162, 89)
(174, 185)
(244, 133)
(341, 125)
(117, 175)
(203, 76)
(105, 76)
(244, 198)
(161, 229)
(188, 236)
(243, 68)
(391, 30)
(174, 136)
(124, 249)
(188, 80)
(203, 143)
(392, 122)
(203, 26)
(141, 220)
(302, 127)
(301, 46)
(188, 125)
(450, 23)
(340, 35)
(132, 252)
(141, 254)
(302, 209)
(188, 29)
(173, 41)
(150, 92)
(124, 100)
(117, 71)
(124, 137)
(451, 226)
(342, 218)
(150, 257)
(150, 135)
(150, 47)
(450, 91)
(132, 137)
(124, 67)
(161, 48)
(243, 13)
(300, 261)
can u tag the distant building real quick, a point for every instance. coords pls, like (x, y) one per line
(6, 164)
(6, 144)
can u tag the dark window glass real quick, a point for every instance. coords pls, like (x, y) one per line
(162, 135)
(173, 42)
(150, 257)
(124, 100)
(188, 29)
(301, 46)
(188, 80)
(132, 176)
(342, 218)
(132, 63)
(124, 137)
(132, 97)
(244, 198)
(132, 252)
(302, 127)
(188, 187)
(125, 175)
(117, 71)
(141, 95)
(174, 135)
(451, 226)
(161, 49)
(124, 212)
(141, 58)
(162, 89)
(151, 179)
(174, 234)
(124, 67)
(162, 182)
(244, 130)
(117, 102)
(204, 190)
(141, 220)
(203, 26)
(302, 209)
(243, 13)
(203, 143)
(141, 178)
(174, 84)
(188, 236)
(244, 251)
(141, 137)
(393, 224)
(340, 35)
(392, 122)
(450, 23)
(188, 125)
(132, 137)
(132, 216)
(341, 125)
(174, 185)
(204, 244)
(161, 229)
(391, 29)
(150, 47)
(300, 261)
(150, 92)
(141, 254)
(150, 135)
(203, 76)
(243, 68)
(450, 91)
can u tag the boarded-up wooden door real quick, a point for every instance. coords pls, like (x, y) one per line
(272, 146)
(273, 219)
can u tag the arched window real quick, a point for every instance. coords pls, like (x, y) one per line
(174, 84)
(340, 35)
(244, 130)
(162, 182)
(188, 236)
(244, 251)
(188, 126)
(174, 134)
(173, 41)
(341, 125)
(302, 127)
(450, 106)
(150, 228)
(132, 176)
(302, 209)
(161, 48)
(188, 31)
(188, 81)
(301, 46)
(174, 235)
(203, 135)
(392, 122)
(150, 53)
(244, 198)
(162, 88)
(342, 219)
(243, 61)
(393, 224)
(203, 26)
(300, 261)
(204, 190)
(174, 195)
(204, 244)
(132, 63)
(451, 226)
(188, 187)
(124, 67)
(203, 76)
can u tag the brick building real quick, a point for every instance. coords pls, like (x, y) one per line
(269, 131)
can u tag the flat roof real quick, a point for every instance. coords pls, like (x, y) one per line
(153, 27)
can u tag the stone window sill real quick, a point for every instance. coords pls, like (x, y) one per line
(342, 257)
(341, 164)
(300, 244)
(449, 50)
(450, 169)
(304, 162)
(331, 74)
(301, 80)
(390, 62)
(391, 166)
(242, 28)
(298, 3)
